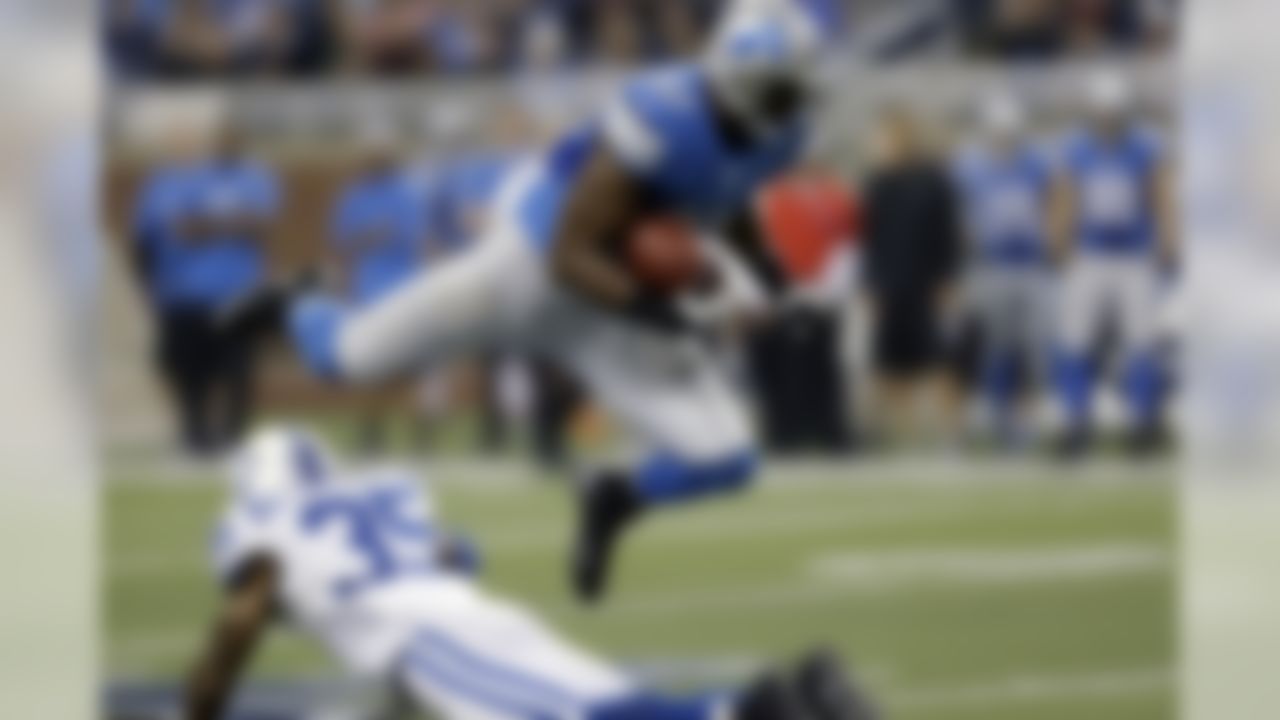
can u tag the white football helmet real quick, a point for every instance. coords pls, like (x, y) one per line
(1003, 117)
(277, 462)
(1108, 94)
(763, 61)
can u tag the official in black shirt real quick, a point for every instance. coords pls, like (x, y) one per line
(913, 249)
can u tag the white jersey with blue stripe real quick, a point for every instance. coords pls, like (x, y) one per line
(357, 557)
(662, 127)
(1006, 198)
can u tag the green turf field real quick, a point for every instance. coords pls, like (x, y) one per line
(994, 594)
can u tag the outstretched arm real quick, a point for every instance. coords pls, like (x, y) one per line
(1062, 214)
(245, 615)
(1168, 214)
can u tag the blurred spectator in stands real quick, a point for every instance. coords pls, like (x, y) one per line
(617, 33)
(439, 36)
(134, 33)
(231, 37)
(912, 253)
(384, 37)
(215, 38)
(797, 363)
(1093, 26)
(1022, 29)
(465, 36)
(1005, 181)
(200, 38)
(1160, 22)
(201, 228)
(1048, 29)
(678, 28)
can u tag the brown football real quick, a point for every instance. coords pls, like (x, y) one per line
(663, 253)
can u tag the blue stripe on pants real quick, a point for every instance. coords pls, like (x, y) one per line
(459, 684)
(444, 651)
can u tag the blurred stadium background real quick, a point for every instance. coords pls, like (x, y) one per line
(966, 583)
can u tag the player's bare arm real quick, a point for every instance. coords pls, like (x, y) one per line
(604, 203)
(1168, 224)
(1061, 218)
(245, 615)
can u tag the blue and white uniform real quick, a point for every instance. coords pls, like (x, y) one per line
(358, 558)
(381, 228)
(669, 391)
(1114, 273)
(215, 271)
(1006, 204)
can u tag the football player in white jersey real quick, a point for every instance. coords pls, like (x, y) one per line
(693, 141)
(358, 560)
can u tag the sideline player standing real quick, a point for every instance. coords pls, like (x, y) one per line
(357, 559)
(1116, 222)
(694, 140)
(1005, 184)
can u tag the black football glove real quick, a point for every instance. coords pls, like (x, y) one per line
(658, 312)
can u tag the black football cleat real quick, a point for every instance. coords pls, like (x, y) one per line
(263, 312)
(1147, 442)
(607, 506)
(1075, 445)
(828, 692)
(771, 698)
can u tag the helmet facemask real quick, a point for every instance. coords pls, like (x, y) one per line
(763, 64)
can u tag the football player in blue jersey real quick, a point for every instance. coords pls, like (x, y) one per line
(1005, 183)
(1116, 228)
(695, 141)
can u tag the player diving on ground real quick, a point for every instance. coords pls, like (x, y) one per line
(693, 143)
(357, 559)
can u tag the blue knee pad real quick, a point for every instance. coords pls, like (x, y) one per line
(666, 478)
(999, 377)
(1075, 381)
(1144, 387)
(314, 324)
(647, 706)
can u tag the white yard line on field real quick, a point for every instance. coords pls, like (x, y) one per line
(930, 566)
(1021, 689)
(829, 578)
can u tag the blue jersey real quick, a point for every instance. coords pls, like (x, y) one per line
(380, 226)
(1114, 184)
(663, 129)
(205, 270)
(1006, 204)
